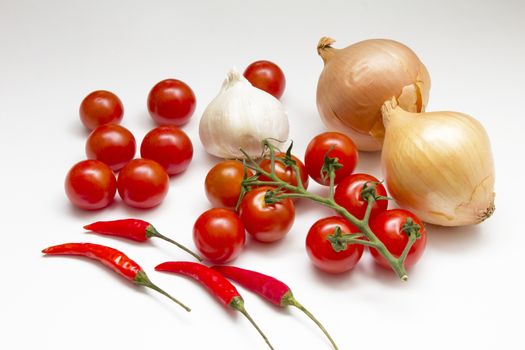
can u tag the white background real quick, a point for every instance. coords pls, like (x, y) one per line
(466, 292)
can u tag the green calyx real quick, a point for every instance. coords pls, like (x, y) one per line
(411, 229)
(330, 165)
(151, 231)
(337, 240)
(369, 192)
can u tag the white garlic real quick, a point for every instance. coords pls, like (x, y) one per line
(242, 116)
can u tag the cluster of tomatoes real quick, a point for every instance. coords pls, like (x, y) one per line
(219, 233)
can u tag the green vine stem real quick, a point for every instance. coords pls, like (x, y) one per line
(366, 235)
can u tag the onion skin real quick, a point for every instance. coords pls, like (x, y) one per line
(358, 79)
(438, 165)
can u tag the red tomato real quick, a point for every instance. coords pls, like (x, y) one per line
(90, 184)
(266, 222)
(143, 183)
(171, 102)
(388, 226)
(344, 150)
(100, 107)
(348, 195)
(169, 146)
(266, 76)
(284, 172)
(223, 183)
(111, 144)
(219, 235)
(320, 249)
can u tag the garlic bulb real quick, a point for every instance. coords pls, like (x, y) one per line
(358, 79)
(438, 165)
(241, 116)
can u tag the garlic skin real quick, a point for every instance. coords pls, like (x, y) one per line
(439, 165)
(357, 80)
(242, 116)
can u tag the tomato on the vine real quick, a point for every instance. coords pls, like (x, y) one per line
(284, 171)
(338, 146)
(143, 183)
(266, 222)
(223, 183)
(388, 227)
(100, 107)
(348, 194)
(90, 184)
(320, 250)
(267, 76)
(112, 144)
(219, 235)
(171, 102)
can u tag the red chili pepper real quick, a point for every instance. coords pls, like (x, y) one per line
(219, 286)
(135, 229)
(270, 288)
(112, 258)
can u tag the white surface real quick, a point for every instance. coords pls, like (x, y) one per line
(467, 291)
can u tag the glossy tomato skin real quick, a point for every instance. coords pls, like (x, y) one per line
(320, 250)
(348, 195)
(267, 76)
(285, 173)
(143, 183)
(344, 150)
(169, 146)
(112, 144)
(219, 235)
(100, 107)
(171, 102)
(387, 226)
(90, 185)
(223, 183)
(266, 222)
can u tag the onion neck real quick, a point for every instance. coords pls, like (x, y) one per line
(325, 50)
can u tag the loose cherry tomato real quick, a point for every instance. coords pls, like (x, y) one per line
(223, 183)
(285, 172)
(344, 150)
(169, 146)
(266, 76)
(143, 183)
(171, 102)
(320, 249)
(348, 195)
(90, 184)
(266, 222)
(219, 235)
(112, 144)
(100, 107)
(388, 227)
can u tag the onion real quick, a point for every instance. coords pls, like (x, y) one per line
(357, 80)
(438, 165)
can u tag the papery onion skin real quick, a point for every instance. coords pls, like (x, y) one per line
(438, 165)
(358, 79)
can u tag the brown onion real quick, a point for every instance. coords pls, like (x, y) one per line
(358, 79)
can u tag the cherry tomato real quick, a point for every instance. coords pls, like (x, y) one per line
(348, 195)
(388, 226)
(266, 222)
(285, 172)
(169, 146)
(219, 235)
(111, 144)
(143, 183)
(320, 249)
(266, 76)
(100, 107)
(223, 183)
(344, 150)
(90, 184)
(171, 102)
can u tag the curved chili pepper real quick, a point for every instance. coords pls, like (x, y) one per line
(135, 229)
(216, 284)
(270, 288)
(114, 259)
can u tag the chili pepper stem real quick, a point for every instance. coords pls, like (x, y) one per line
(238, 304)
(152, 232)
(288, 299)
(142, 280)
